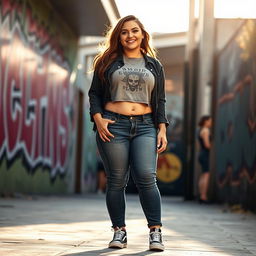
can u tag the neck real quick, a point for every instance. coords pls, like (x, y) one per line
(133, 54)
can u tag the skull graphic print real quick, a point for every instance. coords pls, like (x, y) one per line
(133, 81)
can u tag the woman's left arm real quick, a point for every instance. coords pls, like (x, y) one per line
(161, 116)
(161, 99)
(161, 138)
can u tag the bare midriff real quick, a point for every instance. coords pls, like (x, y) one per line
(128, 108)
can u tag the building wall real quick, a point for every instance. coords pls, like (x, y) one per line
(89, 161)
(235, 118)
(37, 110)
(225, 30)
(89, 152)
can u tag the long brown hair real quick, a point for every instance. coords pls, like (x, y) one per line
(113, 48)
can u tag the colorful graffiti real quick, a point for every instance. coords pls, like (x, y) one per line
(235, 129)
(169, 168)
(36, 97)
(170, 175)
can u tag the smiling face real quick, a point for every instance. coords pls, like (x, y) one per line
(131, 36)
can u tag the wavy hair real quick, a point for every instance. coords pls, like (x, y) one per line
(203, 119)
(112, 47)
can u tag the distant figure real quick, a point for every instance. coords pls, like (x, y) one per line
(204, 138)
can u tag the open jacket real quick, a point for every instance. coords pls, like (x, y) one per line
(99, 93)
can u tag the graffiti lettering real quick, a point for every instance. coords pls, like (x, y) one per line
(34, 102)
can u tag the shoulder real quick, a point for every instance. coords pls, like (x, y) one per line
(155, 61)
(118, 61)
(155, 64)
(95, 73)
(204, 131)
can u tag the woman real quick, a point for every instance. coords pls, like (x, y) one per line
(205, 124)
(127, 105)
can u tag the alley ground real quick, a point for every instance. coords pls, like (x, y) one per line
(79, 226)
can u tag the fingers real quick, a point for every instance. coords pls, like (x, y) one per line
(104, 137)
(107, 132)
(161, 145)
(159, 142)
(162, 148)
(104, 133)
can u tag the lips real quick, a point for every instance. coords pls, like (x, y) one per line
(130, 41)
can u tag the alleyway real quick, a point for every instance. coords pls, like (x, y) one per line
(79, 225)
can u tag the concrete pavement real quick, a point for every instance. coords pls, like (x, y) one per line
(79, 226)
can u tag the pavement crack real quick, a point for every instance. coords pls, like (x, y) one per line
(77, 245)
(73, 245)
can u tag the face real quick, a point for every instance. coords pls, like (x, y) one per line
(131, 36)
(209, 123)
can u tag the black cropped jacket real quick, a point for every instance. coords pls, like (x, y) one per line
(99, 92)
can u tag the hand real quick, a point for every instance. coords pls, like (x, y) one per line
(102, 127)
(161, 141)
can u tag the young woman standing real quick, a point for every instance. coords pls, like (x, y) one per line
(204, 138)
(127, 106)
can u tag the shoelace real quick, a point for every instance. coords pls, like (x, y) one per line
(118, 234)
(156, 236)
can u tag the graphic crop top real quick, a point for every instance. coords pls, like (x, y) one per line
(132, 82)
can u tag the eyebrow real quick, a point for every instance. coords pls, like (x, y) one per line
(131, 28)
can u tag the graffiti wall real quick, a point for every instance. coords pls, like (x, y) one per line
(235, 128)
(37, 55)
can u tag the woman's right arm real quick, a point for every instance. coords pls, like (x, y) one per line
(95, 96)
(205, 135)
(96, 108)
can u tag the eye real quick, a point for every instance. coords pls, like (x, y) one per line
(135, 31)
(123, 32)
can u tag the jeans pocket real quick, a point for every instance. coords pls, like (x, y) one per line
(112, 118)
(148, 121)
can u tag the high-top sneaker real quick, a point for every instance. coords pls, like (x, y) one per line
(155, 240)
(119, 239)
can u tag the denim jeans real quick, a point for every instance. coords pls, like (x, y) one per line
(132, 150)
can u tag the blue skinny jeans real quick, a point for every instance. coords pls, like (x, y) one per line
(132, 150)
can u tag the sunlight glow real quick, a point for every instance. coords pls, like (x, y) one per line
(235, 9)
(172, 16)
(161, 16)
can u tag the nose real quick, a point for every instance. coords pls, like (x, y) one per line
(130, 34)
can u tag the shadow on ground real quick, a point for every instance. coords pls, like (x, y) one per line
(108, 250)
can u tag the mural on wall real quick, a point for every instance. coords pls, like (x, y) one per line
(235, 129)
(36, 97)
(90, 163)
(170, 163)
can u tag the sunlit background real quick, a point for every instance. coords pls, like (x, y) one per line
(47, 144)
(171, 16)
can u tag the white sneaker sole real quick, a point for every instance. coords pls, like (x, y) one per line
(156, 247)
(117, 245)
